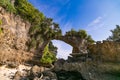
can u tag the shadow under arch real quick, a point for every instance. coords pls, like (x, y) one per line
(64, 49)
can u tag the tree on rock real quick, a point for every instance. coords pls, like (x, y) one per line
(43, 33)
(48, 57)
(115, 34)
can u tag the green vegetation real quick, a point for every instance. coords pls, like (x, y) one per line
(47, 30)
(1, 28)
(7, 5)
(90, 40)
(47, 57)
(24, 9)
(115, 34)
(0, 22)
(28, 12)
(80, 34)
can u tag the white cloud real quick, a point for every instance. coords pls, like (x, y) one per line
(100, 28)
(97, 28)
(96, 21)
(96, 24)
(63, 49)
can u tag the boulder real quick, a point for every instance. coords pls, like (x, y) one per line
(18, 75)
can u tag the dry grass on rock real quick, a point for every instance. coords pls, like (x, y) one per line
(15, 56)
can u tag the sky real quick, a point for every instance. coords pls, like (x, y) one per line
(97, 17)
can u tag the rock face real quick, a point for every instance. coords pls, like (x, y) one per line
(15, 30)
(105, 51)
(78, 68)
(89, 70)
(56, 74)
(13, 37)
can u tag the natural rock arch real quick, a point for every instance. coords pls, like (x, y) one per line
(79, 45)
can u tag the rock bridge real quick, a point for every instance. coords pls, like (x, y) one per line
(79, 45)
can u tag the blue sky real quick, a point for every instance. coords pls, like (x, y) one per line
(97, 17)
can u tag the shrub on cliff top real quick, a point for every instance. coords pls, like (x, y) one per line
(24, 9)
(7, 5)
(80, 34)
(28, 12)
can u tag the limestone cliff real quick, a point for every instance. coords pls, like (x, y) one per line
(17, 21)
(105, 51)
(13, 37)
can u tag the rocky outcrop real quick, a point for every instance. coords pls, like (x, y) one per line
(89, 70)
(36, 73)
(62, 74)
(15, 30)
(86, 69)
(13, 38)
(105, 51)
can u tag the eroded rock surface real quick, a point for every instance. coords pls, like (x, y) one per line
(13, 38)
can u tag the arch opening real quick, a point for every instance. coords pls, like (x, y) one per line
(64, 49)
